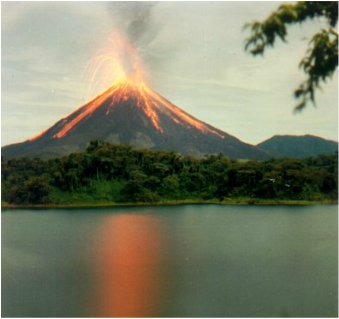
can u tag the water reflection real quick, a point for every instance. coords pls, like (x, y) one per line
(189, 261)
(129, 266)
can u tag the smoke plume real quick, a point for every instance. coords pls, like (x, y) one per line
(135, 21)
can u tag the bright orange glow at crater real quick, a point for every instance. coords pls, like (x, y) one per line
(120, 66)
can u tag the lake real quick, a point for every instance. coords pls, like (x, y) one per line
(174, 261)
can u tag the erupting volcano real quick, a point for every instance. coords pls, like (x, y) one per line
(130, 112)
(139, 99)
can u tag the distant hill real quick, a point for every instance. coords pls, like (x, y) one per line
(298, 146)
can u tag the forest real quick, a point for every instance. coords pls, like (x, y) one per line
(108, 173)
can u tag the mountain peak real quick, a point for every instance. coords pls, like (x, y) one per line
(130, 93)
(130, 112)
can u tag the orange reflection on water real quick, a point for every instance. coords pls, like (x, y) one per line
(129, 267)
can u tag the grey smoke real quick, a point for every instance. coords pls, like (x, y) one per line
(135, 20)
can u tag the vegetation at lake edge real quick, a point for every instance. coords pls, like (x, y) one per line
(107, 173)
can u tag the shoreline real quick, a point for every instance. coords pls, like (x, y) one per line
(174, 203)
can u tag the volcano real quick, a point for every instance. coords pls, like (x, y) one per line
(130, 112)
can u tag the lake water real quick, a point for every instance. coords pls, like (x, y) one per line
(175, 261)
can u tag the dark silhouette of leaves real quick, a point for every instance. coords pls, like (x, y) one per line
(321, 58)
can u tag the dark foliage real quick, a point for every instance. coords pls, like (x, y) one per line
(153, 176)
(321, 58)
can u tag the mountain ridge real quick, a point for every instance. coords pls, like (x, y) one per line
(298, 146)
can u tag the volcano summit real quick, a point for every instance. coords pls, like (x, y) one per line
(130, 112)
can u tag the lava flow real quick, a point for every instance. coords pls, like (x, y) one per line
(151, 103)
(124, 66)
(128, 111)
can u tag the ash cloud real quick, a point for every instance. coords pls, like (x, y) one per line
(135, 20)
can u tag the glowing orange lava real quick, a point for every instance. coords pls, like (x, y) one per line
(37, 136)
(121, 65)
(151, 103)
(182, 115)
(118, 61)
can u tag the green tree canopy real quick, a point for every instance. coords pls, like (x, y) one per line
(107, 173)
(321, 58)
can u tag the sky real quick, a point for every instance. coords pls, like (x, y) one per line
(192, 53)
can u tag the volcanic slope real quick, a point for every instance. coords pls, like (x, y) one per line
(131, 113)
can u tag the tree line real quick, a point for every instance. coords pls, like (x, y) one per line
(118, 173)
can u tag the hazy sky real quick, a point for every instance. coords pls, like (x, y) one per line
(193, 54)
